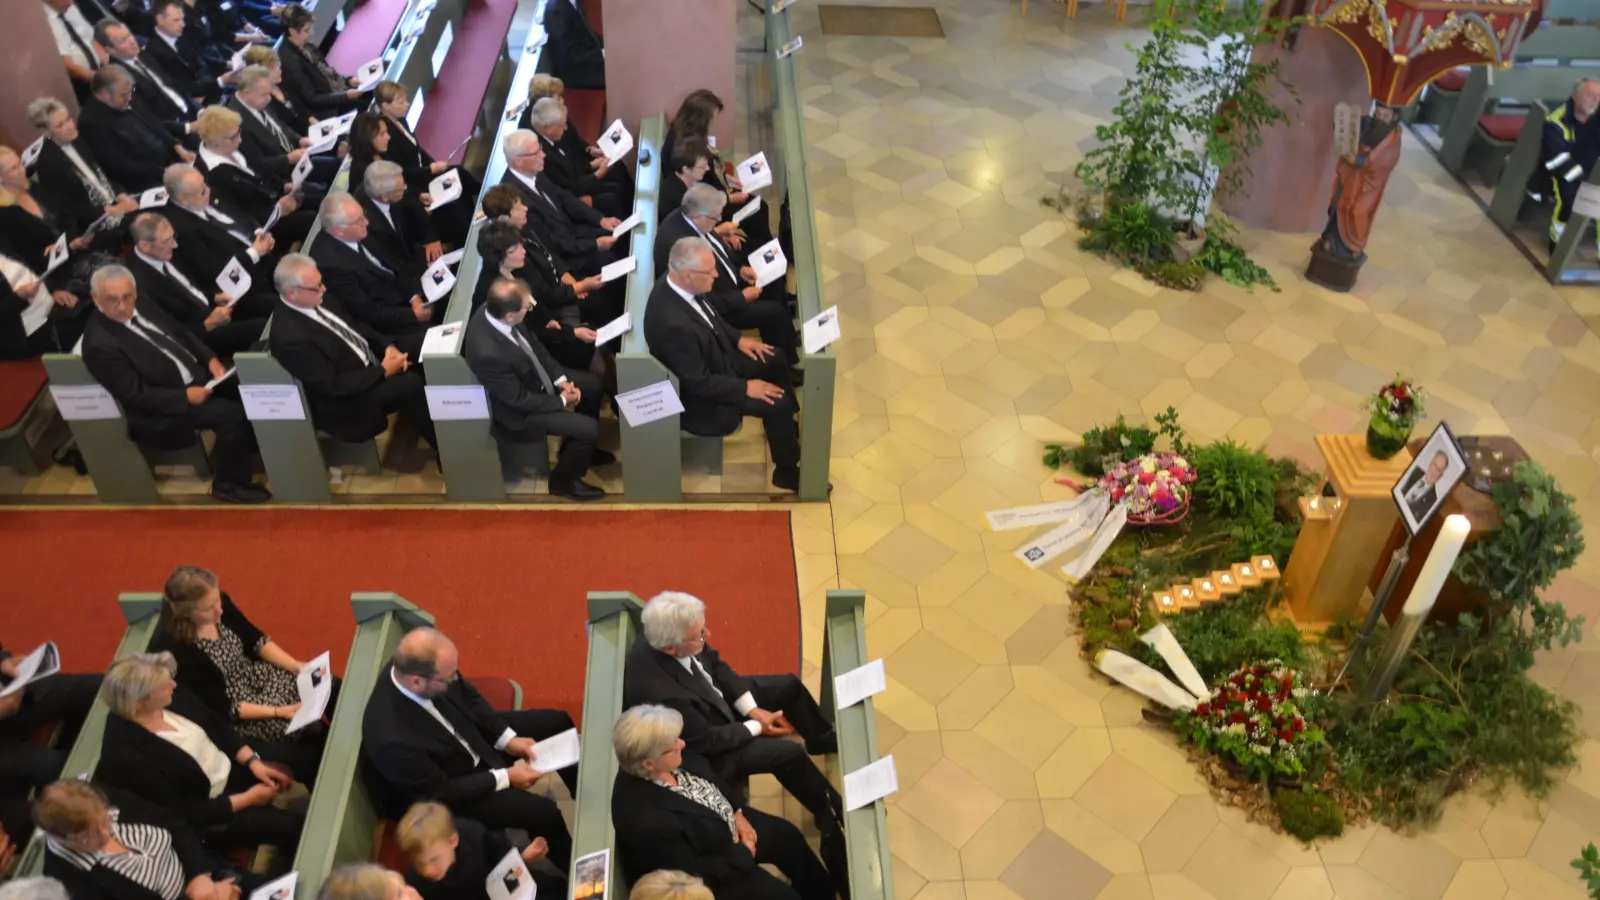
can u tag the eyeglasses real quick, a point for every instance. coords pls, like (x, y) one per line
(318, 288)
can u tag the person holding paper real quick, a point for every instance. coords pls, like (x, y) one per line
(271, 144)
(558, 290)
(92, 834)
(693, 120)
(578, 53)
(558, 315)
(353, 376)
(542, 85)
(181, 44)
(741, 724)
(161, 95)
(60, 700)
(225, 326)
(451, 858)
(672, 811)
(33, 321)
(308, 80)
(212, 235)
(240, 187)
(287, 111)
(133, 147)
(157, 371)
(579, 233)
(734, 291)
(723, 376)
(367, 284)
(399, 230)
(531, 395)
(72, 178)
(429, 735)
(453, 220)
(237, 671)
(368, 881)
(165, 745)
(549, 120)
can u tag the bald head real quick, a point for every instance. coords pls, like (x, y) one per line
(426, 662)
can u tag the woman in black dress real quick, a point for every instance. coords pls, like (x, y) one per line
(693, 120)
(308, 80)
(555, 317)
(29, 228)
(373, 137)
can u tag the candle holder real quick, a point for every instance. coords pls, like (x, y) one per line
(1187, 598)
(1206, 590)
(1226, 582)
(1266, 567)
(1245, 573)
(1166, 603)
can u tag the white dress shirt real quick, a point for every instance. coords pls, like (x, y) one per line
(137, 65)
(315, 314)
(502, 777)
(384, 208)
(143, 327)
(72, 19)
(37, 312)
(742, 706)
(694, 303)
(192, 739)
(532, 181)
(214, 159)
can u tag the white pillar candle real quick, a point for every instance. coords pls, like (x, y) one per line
(1437, 567)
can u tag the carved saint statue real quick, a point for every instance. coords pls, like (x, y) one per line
(1358, 185)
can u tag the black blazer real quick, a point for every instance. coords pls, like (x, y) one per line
(101, 883)
(399, 244)
(726, 294)
(132, 147)
(197, 674)
(165, 292)
(338, 385)
(672, 191)
(381, 300)
(658, 829)
(515, 392)
(185, 66)
(205, 246)
(572, 175)
(711, 726)
(569, 225)
(405, 152)
(577, 52)
(416, 759)
(233, 187)
(143, 379)
(701, 356)
(61, 181)
(305, 86)
(155, 101)
(260, 149)
(135, 759)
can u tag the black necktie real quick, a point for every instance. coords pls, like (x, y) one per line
(159, 338)
(356, 342)
(711, 317)
(88, 51)
(173, 96)
(283, 139)
(522, 344)
(703, 675)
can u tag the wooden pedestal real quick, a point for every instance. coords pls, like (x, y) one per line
(1455, 598)
(1327, 572)
(1330, 271)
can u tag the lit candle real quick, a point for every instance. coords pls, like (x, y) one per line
(1437, 568)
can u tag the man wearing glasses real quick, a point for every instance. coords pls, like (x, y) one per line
(430, 736)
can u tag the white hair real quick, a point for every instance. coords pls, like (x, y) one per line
(704, 200)
(34, 889)
(519, 142)
(382, 177)
(251, 77)
(108, 273)
(291, 272)
(173, 177)
(686, 252)
(671, 613)
(644, 733)
(547, 112)
(338, 209)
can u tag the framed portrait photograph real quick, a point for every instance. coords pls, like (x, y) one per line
(1434, 472)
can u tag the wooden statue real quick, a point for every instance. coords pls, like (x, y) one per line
(1359, 181)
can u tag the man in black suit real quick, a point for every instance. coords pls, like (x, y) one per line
(400, 233)
(225, 326)
(184, 56)
(158, 93)
(578, 53)
(212, 235)
(61, 700)
(362, 282)
(1421, 488)
(353, 376)
(722, 375)
(742, 724)
(429, 735)
(576, 231)
(157, 371)
(530, 394)
(133, 147)
(271, 144)
(549, 121)
(734, 293)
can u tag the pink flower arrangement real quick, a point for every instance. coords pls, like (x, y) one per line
(1155, 486)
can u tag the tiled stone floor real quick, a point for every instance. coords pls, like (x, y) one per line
(975, 330)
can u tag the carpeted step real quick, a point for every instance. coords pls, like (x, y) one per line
(457, 95)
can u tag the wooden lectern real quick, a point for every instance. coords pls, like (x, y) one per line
(1345, 529)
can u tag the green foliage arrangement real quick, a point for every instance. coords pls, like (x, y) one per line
(1539, 535)
(1221, 637)
(1242, 486)
(1588, 866)
(1106, 445)
(1185, 276)
(1229, 261)
(1309, 814)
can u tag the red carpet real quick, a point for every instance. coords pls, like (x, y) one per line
(456, 98)
(366, 33)
(509, 585)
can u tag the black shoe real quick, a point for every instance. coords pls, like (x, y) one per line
(575, 489)
(824, 745)
(602, 458)
(797, 376)
(788, 478)
(234, 493)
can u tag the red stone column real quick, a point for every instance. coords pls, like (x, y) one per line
(657, 53)
(30, 68)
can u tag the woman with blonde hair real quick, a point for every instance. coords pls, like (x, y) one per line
(267, 58)
(668, 884)
(240, 187)
(168, 748)
(38, 313)
(367, 881)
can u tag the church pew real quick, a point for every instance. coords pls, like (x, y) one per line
(792, 181)
(342, 820)
(119, 469)
(26, 420)
(866, 829)
(613, 627)
(1485, 89)
(142, 612)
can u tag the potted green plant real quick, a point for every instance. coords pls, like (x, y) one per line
(1394, 409)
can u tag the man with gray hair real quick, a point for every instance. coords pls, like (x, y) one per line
(375, 290)
(212, 235)
(155, 90)
(399, 230)
(215, 318)
(723, 376)
(549, 120)
(132, 146)
(161, 375)
(576, 231)
(272, 146)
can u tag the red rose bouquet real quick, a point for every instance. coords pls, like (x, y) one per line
(1257, 717)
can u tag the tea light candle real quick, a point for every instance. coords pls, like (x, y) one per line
(1165, 601)
(1266, 568)
(1228, 584)
(1245, 575)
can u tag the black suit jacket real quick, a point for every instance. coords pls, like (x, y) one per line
(478, 850)
(165, 292)
(138, 760)
(1419, 507)
(101, 883)
(405, 152)
(711, 726)
(186, 66)
(155, 101)
(399, 243)
(700, 355)
(672, 191)
(578, 53)
(305, 87)
(142, 378)
(233, 187)
(378, 299)
(516, 395)
(416, 758)
(263, 151)
(62, 183)
(659, 829)
(134, 148)
(726, 294)
(197, 674)
(206, 246)
(568, 224)
(572, 175)
(338, 385)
